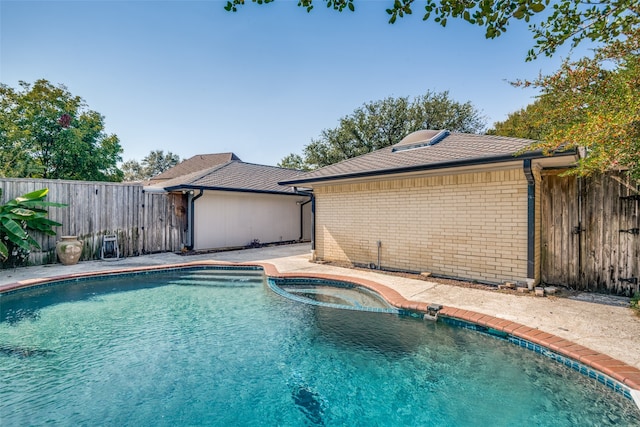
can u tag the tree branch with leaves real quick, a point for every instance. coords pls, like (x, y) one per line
(557, 22)
(593, 105)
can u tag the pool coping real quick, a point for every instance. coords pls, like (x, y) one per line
(617, 370)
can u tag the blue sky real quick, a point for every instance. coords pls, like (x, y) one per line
(190, 78)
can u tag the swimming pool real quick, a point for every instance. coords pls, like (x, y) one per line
(210, 347)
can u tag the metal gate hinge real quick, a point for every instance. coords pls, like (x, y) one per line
(577, 230)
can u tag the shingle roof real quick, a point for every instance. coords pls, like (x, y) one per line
(454, 149)
(194, 164)
(236, 175)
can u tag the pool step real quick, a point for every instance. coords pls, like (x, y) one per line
(227, 277)
(230, 273)
(218, 282)
(313, 291)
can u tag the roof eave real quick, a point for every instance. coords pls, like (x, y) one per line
(433, 166)
(187, 187)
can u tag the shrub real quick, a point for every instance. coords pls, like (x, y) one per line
(635, 302)
(19, 218)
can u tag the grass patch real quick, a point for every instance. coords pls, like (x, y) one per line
(635, 303)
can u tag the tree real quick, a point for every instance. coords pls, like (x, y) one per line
(383, 123)
(157, 162)
(528, 122)
(591, 104)
(153, 164)
(293, 161)
(132, 171)
(46, 132)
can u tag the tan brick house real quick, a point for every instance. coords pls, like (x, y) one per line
(452, 204)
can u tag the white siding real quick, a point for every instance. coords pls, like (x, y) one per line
(227, 219)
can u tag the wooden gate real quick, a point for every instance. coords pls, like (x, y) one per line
(590, 232)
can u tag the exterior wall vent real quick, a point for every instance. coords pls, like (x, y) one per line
(419, 139)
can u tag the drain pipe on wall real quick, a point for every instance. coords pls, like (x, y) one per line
(531, 222)
(302, 217)
(191, 199)
(313, 217)
(379, 244)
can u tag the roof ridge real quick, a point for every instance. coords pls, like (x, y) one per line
(217, 154)
(267, 166)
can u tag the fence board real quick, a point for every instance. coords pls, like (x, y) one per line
(98, 208)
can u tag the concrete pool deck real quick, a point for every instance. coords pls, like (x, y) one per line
(599, 335)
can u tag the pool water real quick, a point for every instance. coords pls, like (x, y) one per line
(219, 348)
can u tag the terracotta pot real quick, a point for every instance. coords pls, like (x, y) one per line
(69, 249)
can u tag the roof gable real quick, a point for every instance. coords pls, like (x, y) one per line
(236, 175)
(193, 164)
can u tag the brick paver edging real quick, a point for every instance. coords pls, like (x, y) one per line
(616, 369)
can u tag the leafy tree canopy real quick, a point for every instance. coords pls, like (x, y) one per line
(557, 22)
(528, 123)
(591, 104)
(154, 164)
(294, 161)
(383, 123)
(46, 132)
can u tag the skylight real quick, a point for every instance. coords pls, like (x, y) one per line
(421, 138)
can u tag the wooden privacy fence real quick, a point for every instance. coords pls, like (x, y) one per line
(590, 232)
(144, 222)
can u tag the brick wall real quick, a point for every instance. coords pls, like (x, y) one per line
(471, 225)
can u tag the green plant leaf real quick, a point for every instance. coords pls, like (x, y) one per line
(42, 203)
(46, 222)
(19, 242)
(24, 213)
(34, 195)
(13, 229)
(32, 242)
(537, 7)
